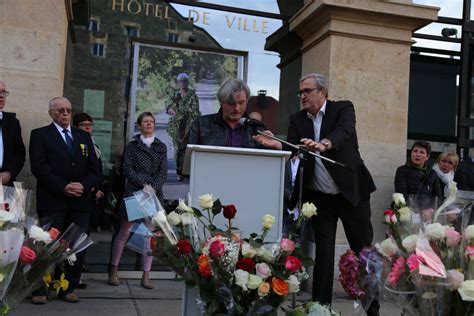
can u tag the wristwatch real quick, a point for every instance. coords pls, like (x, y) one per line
(326, 143)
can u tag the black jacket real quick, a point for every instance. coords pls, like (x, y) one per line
(338, 125)
(411, 180)
(464, 176)
(54, 167)
(13, 147)
(212, 130)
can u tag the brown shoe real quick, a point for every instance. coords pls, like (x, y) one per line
(146, 284)
(38, 300)
(114, 279)
(71, 298)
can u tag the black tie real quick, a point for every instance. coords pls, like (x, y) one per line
(68, 140)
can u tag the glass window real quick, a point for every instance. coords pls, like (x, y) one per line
(173, 38)
(93, 25)
(98, 50)
(132, 31)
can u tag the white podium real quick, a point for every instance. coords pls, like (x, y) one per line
(251, 179)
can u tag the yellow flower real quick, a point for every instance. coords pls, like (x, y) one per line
(48, 278)
(61, 284)
(268, 221)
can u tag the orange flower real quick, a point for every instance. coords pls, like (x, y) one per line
(204, 266)
(54, 233)
(279, 286)
(153, 244)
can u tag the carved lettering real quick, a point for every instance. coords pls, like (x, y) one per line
(229, 23)
(138, 7)
(158, 12)
(255, 26)
(240, 23)
(193, 16)
(115, 3)
(205, 18)
(265, 27)
(147, 7)
(245, 25)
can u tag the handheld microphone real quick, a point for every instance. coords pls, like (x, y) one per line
(247, 121)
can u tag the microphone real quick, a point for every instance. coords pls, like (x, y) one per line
(247, 121)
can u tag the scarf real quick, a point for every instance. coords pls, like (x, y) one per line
(147, 140)
(446, 178)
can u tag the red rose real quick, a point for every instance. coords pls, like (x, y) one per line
(292, 263)
(229, 211)
(184, 246)
(246, 264)
(27, 255)
(54, 233)
(216, 248)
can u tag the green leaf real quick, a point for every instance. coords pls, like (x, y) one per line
(254, 235)
(216, 207)
(197, 212)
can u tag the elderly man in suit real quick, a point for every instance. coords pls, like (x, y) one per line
(64, 162)
(12, 149)
(328, 128)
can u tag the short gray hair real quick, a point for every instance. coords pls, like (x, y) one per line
(229, 88)
(320, 80)
(52, 102)
(182, 76)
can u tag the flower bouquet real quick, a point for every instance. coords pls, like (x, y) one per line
(312, 309)
(234, 275)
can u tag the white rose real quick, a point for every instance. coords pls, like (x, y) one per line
(174, 218)
(253, 281)
(309, 210)
(469, 232)
(241, 278)
(183, 207)
(268, 221)
(405, 214)
(409, 243)
(5, 217)
(248, 251)
(71, 259)
(39, 234)
(187, 219)
(266, 254)
(293, 284)
(467, 290)
(435, 231)
(387, 247)
(455, 279)
(399, 199)
(263, 270)
(205, 201)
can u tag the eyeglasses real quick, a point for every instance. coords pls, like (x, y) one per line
(4, 93)
(85, 124)
(63, 110)
(305, 92)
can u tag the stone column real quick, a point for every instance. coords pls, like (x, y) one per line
(33, 36)
(363, 47)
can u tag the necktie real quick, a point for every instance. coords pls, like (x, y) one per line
(68, 139)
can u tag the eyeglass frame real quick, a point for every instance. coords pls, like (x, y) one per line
(4, 93)
(85, 124)
(63, 110)
(306, 92)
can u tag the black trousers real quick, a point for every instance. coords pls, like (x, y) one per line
(358, 229)
(61, 220)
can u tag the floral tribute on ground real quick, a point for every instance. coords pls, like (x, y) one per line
(427, 262)
(234, 275)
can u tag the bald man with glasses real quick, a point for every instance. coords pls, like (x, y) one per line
(12, 149)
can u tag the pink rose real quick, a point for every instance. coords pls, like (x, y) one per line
(390, 217)
(455, 278)
(452, 237)
(216, 248)
(292, 264)
(287, 245)
(470, 252)
(263, 270)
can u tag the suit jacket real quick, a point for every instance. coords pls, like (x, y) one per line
(54, 167)
(13, 147)
(338, 125)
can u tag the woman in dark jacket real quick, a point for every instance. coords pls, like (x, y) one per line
(144, 163)
(416, 177)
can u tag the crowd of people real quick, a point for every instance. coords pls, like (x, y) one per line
(67, 165)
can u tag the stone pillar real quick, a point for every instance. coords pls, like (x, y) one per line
(363, 47)
(33, 36)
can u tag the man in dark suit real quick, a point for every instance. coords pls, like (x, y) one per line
(64, 162)
(12, 149)
(328, 128)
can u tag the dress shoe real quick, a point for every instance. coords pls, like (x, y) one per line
(146, 284)
(38, 300)
(81, 286)
(70, 298)
(114, 279)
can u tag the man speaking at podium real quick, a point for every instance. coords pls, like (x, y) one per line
(230, 126)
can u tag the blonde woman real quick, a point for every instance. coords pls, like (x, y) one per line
(445, 168)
